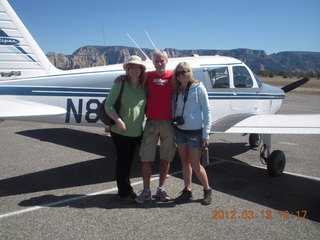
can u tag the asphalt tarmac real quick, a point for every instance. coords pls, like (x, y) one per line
(57, 182)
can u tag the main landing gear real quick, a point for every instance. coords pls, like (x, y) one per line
(275, 161)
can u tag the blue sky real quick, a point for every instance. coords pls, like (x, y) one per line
(62, 26)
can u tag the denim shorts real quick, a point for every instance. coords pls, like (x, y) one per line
(191, 140)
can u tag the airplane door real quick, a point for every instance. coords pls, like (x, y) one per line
(245, 94)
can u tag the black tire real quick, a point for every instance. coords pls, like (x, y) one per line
(276, 163)
(254, 140)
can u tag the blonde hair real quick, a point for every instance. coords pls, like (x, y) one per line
(175, 83)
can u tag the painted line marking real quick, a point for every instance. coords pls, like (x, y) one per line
(288, 143)
(250, 165)
(31, 209)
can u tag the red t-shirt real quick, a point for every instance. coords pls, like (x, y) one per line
(159, 102)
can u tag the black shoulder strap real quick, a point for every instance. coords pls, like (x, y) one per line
(118, 101)
(121, 90)
(185, 97)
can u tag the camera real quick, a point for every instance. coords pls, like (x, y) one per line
(177, 121)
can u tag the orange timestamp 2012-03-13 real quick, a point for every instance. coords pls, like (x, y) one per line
(265, 214)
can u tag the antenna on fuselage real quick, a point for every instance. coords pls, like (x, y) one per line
(154, 46)
(138, 46)
(104, 39)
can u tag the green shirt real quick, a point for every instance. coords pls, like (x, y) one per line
(132, 110)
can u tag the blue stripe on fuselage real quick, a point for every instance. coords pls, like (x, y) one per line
(53, 91)
(101, 92)
(245, 96)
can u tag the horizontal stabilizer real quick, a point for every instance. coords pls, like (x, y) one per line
(269, 124)
(22, 109)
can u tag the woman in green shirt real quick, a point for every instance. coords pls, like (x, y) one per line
(127, 130)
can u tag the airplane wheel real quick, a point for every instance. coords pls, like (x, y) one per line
(254, 140)
(276, 163)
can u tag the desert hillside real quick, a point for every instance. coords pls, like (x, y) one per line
(311, 87)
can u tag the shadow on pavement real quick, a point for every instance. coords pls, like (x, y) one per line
(232, 177)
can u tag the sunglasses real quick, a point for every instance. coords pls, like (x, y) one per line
(183, 73)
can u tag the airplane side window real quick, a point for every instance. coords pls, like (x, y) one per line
(241, 77)
(219, 77)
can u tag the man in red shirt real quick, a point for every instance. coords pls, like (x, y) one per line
(158, 126)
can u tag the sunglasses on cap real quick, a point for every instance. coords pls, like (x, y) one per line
(183, 73)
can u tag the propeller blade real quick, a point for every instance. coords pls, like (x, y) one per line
(294, 85)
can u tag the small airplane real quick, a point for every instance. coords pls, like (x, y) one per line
(32, 89)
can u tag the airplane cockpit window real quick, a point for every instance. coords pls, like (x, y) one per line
(219, 77)
(241, 77)
(258, 80)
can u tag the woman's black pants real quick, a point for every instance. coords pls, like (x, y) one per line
(125, 148)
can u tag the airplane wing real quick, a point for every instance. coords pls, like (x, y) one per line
(269, 124)
(13, 108)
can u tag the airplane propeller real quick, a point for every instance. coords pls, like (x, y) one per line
(294, 85)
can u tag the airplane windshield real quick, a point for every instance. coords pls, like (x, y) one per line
(241, 77)
(219, 77)
(259, 81)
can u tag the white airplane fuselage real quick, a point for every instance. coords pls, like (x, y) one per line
(81, 91)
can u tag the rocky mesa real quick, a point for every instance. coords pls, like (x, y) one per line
(257, 60)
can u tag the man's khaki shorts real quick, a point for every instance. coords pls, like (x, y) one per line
(155, 130)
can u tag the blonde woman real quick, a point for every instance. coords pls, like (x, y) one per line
(192, 120)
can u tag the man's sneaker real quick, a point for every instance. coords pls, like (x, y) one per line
(145, 195)
(185, 196)
(207, 196)
(162, 195)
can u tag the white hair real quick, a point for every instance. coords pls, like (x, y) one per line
(158, 52)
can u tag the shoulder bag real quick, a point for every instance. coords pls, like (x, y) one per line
(103, 116)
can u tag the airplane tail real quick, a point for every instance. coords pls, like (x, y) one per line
(20, 55)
